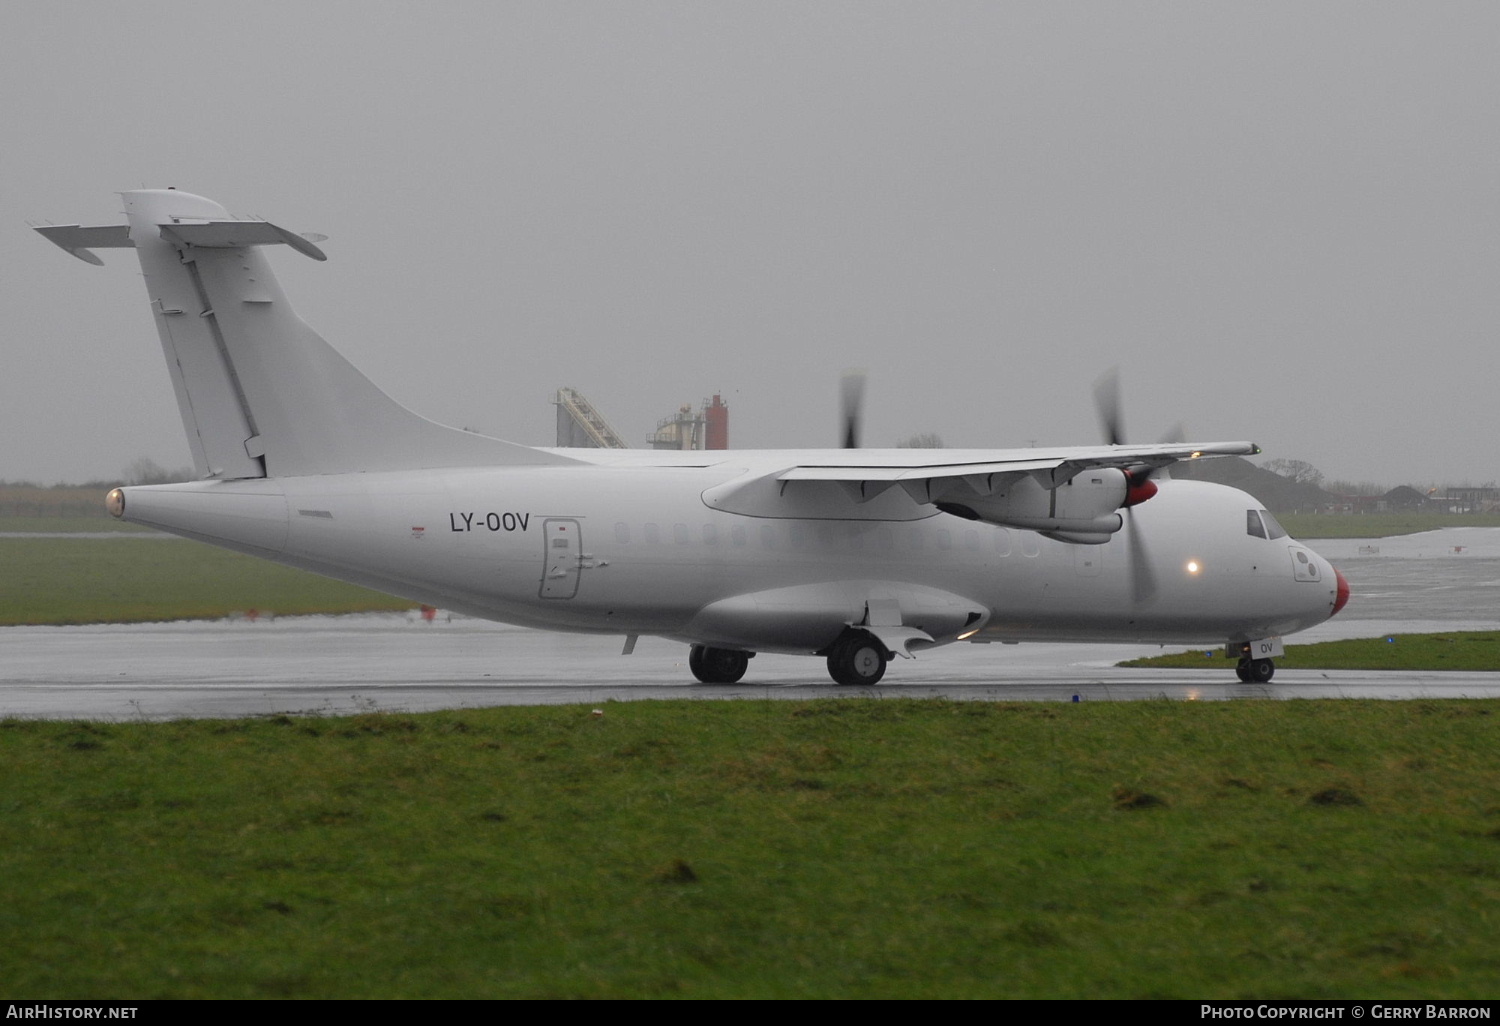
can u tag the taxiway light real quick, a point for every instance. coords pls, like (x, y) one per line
(114, 502)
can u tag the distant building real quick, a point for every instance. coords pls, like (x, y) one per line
(1406, 499)
(1470, 499)
(580, 426)
(1355, 504)
(704, 428)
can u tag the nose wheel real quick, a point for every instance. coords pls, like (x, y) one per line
(1255, 671)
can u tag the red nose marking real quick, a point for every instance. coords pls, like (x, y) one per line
(1342, 598)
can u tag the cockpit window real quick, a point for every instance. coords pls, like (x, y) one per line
(1273, 529)
(1253, 526)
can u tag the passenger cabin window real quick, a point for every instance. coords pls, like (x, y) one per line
(1002, 541)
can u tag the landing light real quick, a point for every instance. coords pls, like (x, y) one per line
(967, 634)
(1193, 566)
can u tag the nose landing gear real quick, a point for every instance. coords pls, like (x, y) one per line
(1255, 665)
(1255, 671)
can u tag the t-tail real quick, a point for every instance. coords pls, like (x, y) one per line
(260, 393)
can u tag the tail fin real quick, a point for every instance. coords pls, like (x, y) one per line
(261, 394)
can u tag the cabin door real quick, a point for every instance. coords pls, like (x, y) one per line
(562, 559)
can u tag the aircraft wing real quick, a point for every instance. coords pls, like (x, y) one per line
(1050, 467)
(1056, 491)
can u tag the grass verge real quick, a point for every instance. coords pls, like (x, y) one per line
(1456, 650)
(69, 525)
(1378, 525)
(847, 848)
(101, 580)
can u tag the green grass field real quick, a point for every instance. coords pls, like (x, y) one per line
(1454, 650)
(844, 848)
(101, 580)
(69, 525)
(1378, 525)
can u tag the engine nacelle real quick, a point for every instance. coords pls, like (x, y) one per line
(1082, 510)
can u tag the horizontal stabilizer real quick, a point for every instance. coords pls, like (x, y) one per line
(78, 239)
(234, 234)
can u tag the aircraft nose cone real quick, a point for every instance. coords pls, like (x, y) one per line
(1342, 599)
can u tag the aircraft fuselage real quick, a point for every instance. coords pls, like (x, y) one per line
(638, 550)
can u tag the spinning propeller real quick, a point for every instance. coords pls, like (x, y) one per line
(1139, 486)
(852, 398)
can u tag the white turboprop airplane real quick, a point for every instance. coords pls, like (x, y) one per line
(856, 555)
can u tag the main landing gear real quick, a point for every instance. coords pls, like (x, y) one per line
(857, 658)
(1255, 671)
(718, 665)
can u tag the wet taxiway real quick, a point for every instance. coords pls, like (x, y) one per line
(1448, 580)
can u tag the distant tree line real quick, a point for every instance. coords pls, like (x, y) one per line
(83, 499)
(923, 440)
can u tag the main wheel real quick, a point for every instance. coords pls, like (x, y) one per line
(717, 665)
(1261, 670)
(857, 659)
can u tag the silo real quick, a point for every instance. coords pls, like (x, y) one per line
(716, 429)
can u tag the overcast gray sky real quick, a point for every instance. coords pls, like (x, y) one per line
(1279, 220)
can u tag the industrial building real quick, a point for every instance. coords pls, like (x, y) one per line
(581, 425)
